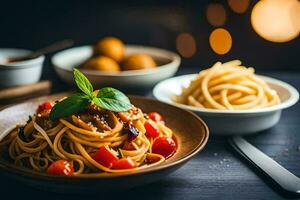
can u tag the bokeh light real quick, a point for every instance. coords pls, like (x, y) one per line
(220, 41)
(276, 20)
(186, 45)
(238, 6)
(216, 14)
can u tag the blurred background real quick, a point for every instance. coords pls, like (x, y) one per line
(202, 31)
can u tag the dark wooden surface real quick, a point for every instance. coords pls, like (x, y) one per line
(216, 173)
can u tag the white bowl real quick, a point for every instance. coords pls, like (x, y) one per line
(19, 73)
(226, 122)
(66, 60)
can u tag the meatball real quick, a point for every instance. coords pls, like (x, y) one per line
(138, 61)
(111, 47)
(102, 63)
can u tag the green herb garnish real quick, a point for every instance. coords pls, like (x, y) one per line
(29, 119)
(107, 98)
(21, 133)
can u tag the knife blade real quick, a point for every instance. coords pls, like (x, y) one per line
(284, 178)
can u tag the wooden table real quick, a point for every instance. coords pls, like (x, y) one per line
(216, 173)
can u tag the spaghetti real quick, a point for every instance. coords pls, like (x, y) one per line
(92, 141)
(228, 86)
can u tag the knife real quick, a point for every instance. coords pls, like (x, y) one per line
(284, 178)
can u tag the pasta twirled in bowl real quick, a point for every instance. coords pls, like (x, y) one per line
(228, 86)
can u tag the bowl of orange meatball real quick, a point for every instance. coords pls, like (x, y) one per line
(110, 62)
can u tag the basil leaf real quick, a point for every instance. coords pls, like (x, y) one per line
(83, 83)
(69, 106)
(112, 93)
(112, 99)
(111, 104)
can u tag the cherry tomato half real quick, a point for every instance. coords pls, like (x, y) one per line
(105, 157)
(61, 167)
(164, 146)
(155, 117)
(151, 130)
(124, 163)
(44, 106)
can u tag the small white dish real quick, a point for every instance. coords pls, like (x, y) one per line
(19, 73)
(168, 62)
(227, 122)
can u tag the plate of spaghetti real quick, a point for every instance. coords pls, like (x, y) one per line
(95, 137)
(229, 92)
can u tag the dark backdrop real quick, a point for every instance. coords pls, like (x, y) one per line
(34, 24)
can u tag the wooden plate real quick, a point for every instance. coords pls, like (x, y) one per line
(190, 131)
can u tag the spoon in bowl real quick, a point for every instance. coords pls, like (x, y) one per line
(51, 48)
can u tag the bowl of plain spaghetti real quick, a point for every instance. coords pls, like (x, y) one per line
(230, 97)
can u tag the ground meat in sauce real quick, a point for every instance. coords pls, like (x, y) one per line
(131, 115)
(96, 118)
(43, 120)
